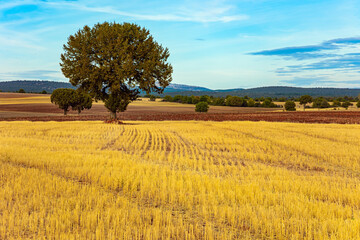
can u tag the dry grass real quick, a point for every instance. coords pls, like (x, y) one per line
(179, 180)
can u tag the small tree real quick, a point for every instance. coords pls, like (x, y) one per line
(290, 106)
(81, 101)
(152, 98)
(21, 90)
(251, 103)
(168, 98)
(43, 92)
(346, 104)
(63, 97)
(321, 102)
(66, 98)
(234, 101)
(205, 98)
(305, 99)
(336, 103)
(202, 107)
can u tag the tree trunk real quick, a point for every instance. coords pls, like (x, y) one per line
(112, 115)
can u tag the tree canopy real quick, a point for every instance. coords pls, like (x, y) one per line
(113, 62)
(66, 98)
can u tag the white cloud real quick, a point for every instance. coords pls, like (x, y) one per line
(203, 15)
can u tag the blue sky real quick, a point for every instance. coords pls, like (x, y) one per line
(216, 44)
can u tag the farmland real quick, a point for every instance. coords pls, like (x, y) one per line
(179, 180)
(37, 107)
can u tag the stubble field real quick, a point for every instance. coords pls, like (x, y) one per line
(179, 180)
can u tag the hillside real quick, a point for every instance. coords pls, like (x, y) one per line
(49, 86)
(181, 89)
(276, 92)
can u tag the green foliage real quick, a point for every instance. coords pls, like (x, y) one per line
(218, 101)
(63, 98)
(21, 90)
(118, 101)
(43, 92)
(167, 98)
(195, 99)
(234, 101)
(112, 62)
(81, 101)
(66, 98)
(346, 104)
(202, 107)
(358, 104)
(205, 98)
(321, 102)
(268, 103)
(305, 99)
(336, 103)
(290, 106)
(152, 98)
(251, 103)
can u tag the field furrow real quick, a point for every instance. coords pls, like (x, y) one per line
(179, 180)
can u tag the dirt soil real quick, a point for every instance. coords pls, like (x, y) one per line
(147, 111)
(343, 117)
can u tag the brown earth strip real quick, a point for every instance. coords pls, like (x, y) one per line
(342, 117)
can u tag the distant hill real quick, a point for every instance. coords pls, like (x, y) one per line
(33, 86)
(181, 89)
(49, 86)
(275, 92)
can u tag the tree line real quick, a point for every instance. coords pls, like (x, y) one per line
(231, 101)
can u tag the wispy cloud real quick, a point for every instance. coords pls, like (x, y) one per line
(318, 81)
(311, 51)
(203, 15)
(304, 81)
(27, 75)
(346, 62)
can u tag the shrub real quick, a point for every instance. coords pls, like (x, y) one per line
(234, 101)
(290, 106)
(205, 98)
(321, 102)
(195, 99)
(268, 103)
(202, 107)
(152, 98)
(43, 92)
(251, 103)
(21, 90)
(346, 104)
(168, 98)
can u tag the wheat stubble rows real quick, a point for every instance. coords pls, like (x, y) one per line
(179, 180)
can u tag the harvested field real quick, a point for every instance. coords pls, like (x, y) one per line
(37, 107)
(179, 180)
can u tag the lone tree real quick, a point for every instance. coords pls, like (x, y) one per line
(201, 107)
(66, 98)
(305, 99)
(113, 62)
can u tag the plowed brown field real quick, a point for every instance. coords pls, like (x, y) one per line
(36, 107)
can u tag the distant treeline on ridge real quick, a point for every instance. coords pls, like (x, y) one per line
(186, 90)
